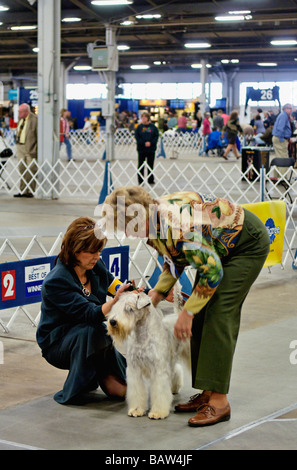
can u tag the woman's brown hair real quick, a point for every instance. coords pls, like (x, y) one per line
(83, 234)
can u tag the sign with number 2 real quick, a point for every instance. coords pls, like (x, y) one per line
(8, 285)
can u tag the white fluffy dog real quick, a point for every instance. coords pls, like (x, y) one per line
(152, 352)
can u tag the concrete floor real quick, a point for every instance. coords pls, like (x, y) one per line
(263, 394)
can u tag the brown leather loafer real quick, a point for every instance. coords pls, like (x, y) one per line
(208, 415)
(194, 402)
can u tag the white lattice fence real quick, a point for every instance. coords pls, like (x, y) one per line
(142, 262)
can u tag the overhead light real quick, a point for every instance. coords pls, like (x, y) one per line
(148, 17)
(82, 67)
(230, 18)
(267, 64)
(197, 45)
(22, 28)
(123, 47)
(225, 61)
(127, 23)
(199, 66)
(3, 8)
(110, 3)
(284, 42)
(234, 61)
(157, 62)
(35, 49)
(139, 67)
(71, 20)
(241, 12)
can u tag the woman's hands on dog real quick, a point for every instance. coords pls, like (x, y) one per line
(183, 326)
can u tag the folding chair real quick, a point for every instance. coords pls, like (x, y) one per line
(284, 181)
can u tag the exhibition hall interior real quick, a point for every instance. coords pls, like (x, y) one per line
(187, 102)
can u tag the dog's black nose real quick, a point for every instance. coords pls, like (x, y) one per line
(113, 322)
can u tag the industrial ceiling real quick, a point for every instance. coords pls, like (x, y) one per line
(159, 39)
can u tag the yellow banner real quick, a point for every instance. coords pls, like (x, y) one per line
(273, 216)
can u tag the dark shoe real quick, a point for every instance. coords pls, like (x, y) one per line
(19, 195)
(194, 402)
(208, 415)
(225, 156)
(28, 195)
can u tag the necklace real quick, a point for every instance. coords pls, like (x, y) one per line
(85, 290)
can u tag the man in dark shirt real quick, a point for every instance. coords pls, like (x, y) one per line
(146, 135)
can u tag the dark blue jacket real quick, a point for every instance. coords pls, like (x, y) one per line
(64, 305)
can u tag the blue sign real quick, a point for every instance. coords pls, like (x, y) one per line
(116, 260)
(13, 94)
(21, 281)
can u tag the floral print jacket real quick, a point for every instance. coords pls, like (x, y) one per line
(188, 228)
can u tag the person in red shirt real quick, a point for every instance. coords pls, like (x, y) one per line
(206, 129)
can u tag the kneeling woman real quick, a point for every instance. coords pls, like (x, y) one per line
(71, 333)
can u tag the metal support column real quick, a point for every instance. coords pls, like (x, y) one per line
(203, 76)
(49, 39)
(111, 83)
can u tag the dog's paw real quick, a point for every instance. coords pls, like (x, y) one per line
(136, 412)
(158, 414)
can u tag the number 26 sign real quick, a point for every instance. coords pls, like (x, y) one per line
(8, 285)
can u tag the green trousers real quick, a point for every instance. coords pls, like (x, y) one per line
(215, 328)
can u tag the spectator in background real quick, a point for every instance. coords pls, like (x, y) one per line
(172, 121)
(199, 119)
(26, 139)
(282, 132)
(146, 135)
(225, 117)
(259, 125)
(182, 122)
(87, 129)
(206, 126)
(218, 121)
(64, 133)
(232, 129)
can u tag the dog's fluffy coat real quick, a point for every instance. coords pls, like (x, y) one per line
(152, 352)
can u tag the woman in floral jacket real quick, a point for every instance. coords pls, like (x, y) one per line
(227, 246)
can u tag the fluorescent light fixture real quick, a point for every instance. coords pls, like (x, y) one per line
(267, 64)
(199, 66)
(71, 20)
(284, 42)
(197, 45)
(82, 67)
(148, 17)
(234, 61)
(35, 49)
(22, 28)
(157, 62)
(230, 18)
(110, 3)
(242, 12)
(123, 47)
(3, 8)
(127, 23)
(139, 67)
(225, 61)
